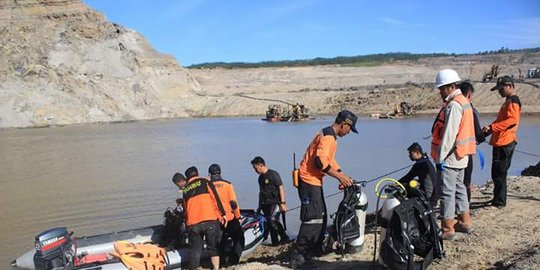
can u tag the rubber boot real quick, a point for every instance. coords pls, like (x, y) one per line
(464, 223)
(448, 229)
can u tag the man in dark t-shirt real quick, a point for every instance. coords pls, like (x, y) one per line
(271, 200)
(424, 172)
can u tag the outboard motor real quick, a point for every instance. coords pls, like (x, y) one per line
(53, 249)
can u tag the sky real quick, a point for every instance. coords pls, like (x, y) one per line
(199, 31)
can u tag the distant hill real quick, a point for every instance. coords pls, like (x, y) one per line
(63, 63)
(361, 60)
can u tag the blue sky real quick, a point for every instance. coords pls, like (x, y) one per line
(197, 31)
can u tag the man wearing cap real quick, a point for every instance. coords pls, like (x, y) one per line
(452, 143)
(424, 171)
(503, 137)
(227, 195)
(317, 162)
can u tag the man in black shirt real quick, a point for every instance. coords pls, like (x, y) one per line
(467, 90)
(271, 200)
(424, 171)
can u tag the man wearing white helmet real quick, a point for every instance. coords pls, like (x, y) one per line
(453, 141)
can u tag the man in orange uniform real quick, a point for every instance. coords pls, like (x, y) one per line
(452, 143)
(204, 212)
(503, 137)
(232, 212)
(317, 162)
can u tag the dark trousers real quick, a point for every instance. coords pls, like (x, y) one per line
(467, 179)
(274, 228)
(212, 232)
(502, 158)
(314, 218)
(231, 251)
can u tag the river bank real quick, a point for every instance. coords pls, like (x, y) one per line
(505, 238)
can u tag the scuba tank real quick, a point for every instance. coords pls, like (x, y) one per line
(394, 194)
(350, 219)
(295, 172)
(357, 244)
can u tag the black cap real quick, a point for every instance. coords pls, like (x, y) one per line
(502, 81)
(214, 169)
(349, 118)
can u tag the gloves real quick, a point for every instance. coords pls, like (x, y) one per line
(440, 166)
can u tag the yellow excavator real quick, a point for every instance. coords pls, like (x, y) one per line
(492, 74)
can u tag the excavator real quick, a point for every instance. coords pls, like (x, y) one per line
(492, 74)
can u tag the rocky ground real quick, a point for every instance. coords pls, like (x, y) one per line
(506, 238)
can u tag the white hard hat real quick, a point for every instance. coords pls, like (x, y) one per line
(446, 76)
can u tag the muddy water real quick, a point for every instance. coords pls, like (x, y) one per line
(100, 178)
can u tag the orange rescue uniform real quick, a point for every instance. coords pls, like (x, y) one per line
(503, 129)
(319, 157)
(228, 198)
(201, 201)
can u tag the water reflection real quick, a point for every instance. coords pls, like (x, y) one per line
(100, 178)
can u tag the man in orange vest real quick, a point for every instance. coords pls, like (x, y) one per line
(503, 138)
(318, 161)
(204, 212)
(232, 212)
(453, 141)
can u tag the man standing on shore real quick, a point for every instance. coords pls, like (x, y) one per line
(271, 200)
(503, 138)
(453, 141)
(318, 161)
(467, 89)
(227, 195)
(204, 212)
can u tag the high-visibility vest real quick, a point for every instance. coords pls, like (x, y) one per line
(465, 142)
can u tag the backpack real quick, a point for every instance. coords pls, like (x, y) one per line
(412, 231)
(346, 223)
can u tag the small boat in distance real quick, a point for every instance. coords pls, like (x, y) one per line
(291, 113)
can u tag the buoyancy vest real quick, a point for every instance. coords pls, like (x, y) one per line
(465, 143)
(412, 233)
(139, 256)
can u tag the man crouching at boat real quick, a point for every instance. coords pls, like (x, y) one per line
(233, 229)
(204, 212)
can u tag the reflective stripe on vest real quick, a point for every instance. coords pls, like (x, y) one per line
(465, 141)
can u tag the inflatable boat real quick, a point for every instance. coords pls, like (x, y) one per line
(56, 248)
